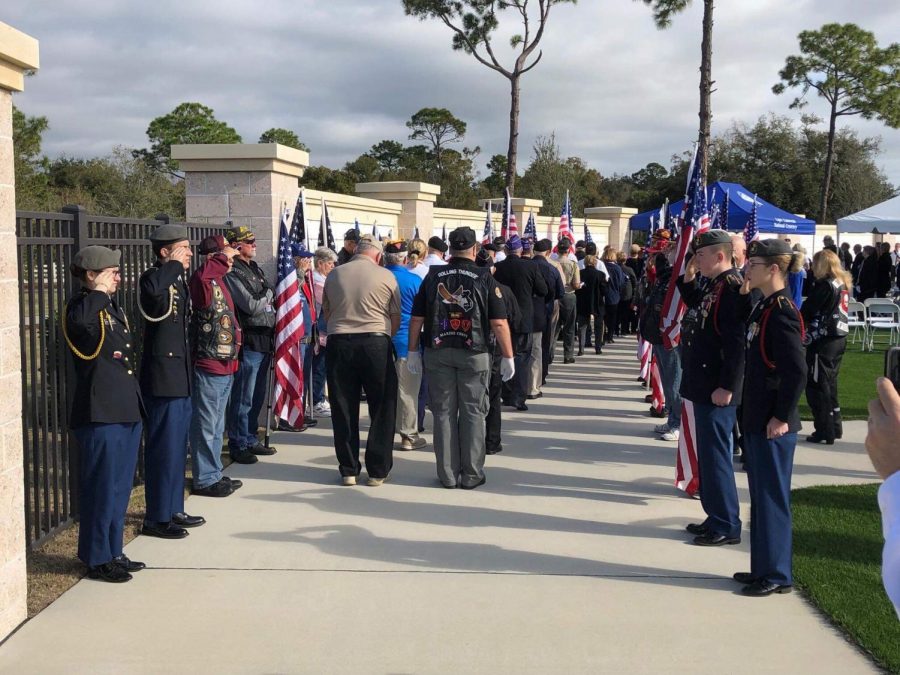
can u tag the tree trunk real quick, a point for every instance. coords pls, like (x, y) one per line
(513, 151)
(706, 82)
(829, 163)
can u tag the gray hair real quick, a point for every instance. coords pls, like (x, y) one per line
(364, 246)
(394, 258)
(324, 255)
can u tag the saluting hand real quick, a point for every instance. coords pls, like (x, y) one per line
(105, 281)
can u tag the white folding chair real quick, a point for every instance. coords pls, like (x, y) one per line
(856, 312)
(883, 314)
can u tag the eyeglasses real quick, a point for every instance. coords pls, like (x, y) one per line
(764, 264)
(249, 242)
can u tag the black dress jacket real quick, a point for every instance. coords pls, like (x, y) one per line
(526, 281)
(166, 365)
(106, 385)
(543, 305)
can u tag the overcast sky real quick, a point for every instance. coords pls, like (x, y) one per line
(345, 74)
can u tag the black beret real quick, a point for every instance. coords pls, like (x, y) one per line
(437, 244)
(483, 259)
(395, 247)
(710, 238)
(767, 248)
(490, 247)
(499, 241)
(462, 238)
(212, 244)
(351, 235)
(168, 233)
(543, 245)
(96, 258)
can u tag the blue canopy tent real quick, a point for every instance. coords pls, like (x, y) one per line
(771, 219)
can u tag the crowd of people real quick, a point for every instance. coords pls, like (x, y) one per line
(464, 329)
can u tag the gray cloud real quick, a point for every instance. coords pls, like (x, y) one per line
(345, 74)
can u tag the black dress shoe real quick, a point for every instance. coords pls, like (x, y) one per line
(184, 520)
(815, 438)
(109, 572)
(233, 482)
(743, 577)
(580, 352)
(531, 397)
(697, 529)
(713, 539)
(598, 351)
(521, 406)
(648, 398)
(221, 489)
(472, 487)
(260, 449)
(164, 530)
(243, 456)
(494, 451)
(658, 413)
(761, 588)
(568, 360)
(128, 565)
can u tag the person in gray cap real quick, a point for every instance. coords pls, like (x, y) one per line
(106, 411)
(254, 298)
(166, 374)
(459, 305)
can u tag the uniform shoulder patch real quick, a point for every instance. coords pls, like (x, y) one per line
(498, 292)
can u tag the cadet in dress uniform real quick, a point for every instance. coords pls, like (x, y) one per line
(712, 358)
(166, 372)
(773, 383)
(106, 413)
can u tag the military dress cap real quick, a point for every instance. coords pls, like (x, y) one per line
(710, 238)
(527, 244)
(300, 251)
(514, 243)
(768, 248)
(462, 238)
(168, 233)
(212, 244)
(371, 241)
(239, 235)
(398, 246)
(351, 235)
(543, 245)
(96, 258)
(437, 244)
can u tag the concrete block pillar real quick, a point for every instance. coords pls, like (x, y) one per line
(248, 184)
(618, 217)
(18, 54)
(416, 199)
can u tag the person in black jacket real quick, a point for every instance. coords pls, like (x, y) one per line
(825, 317)
(166, 374)
(613, 294)
(773, 382)
(868, 274)
(854, 267)
(555, 291)
(884, 271)
(106, 411)
(712, 359)
(525, 280)
(590, 301)
(626, 300)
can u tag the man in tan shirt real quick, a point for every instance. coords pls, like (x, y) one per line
(361, 302)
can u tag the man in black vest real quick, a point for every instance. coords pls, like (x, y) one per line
(254, 299)
(459, 304)
(166, 373)
(526, 282)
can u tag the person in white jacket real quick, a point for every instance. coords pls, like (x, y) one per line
(884, 451)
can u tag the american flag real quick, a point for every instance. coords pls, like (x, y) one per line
(488, 236)
(715, 222)
(694, 220)
(751, 229)
(374, 232)
(687, 476)
(588, 239)
(289, 330)
(509, 227)
(356, 224)
(326, 238)
(298, 223)
(565, 221)
(531, 227)
(416, 233)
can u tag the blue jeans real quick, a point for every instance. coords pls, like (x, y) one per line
(210, 401)
(247, 397)
(317, 363)
(718, 491)
(669, 362)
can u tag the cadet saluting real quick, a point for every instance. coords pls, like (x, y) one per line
(106, 413)
(774, 380)
(166, 382)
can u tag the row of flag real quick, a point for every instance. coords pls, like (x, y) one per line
(509, 227)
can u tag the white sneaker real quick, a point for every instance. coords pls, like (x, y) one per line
(348, 480)
(322, 409)
(670, 435)
(661, 428)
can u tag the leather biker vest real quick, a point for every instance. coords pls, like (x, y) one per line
(458, 296)
(213, 329)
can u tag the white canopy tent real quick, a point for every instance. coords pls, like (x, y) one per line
(883, 218)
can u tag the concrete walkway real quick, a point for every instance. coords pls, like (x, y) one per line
(571, 559)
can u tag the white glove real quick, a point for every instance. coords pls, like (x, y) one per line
(507, 369)
(414, 363)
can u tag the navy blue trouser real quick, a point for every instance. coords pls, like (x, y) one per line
(769, 466)
(718, 492)
(108, 459)
(165, 455)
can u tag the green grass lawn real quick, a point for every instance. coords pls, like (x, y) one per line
(837, 563)
(856, 382)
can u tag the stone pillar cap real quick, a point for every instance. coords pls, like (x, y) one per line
(18, 53)
(398, 190)
(515, 202)
(610, 211)
(215, 157)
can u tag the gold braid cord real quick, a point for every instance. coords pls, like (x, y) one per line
(164, 316)
(104, 317)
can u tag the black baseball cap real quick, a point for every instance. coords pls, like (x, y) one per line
(462, 238)
(437, 244)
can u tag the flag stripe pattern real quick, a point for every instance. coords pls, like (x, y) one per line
(565, 221)
(687, 477)
(488, 235)
(751, 229)
(289, 331)
(531, 227)
(656, 390)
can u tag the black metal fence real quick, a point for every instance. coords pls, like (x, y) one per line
(46, 243)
